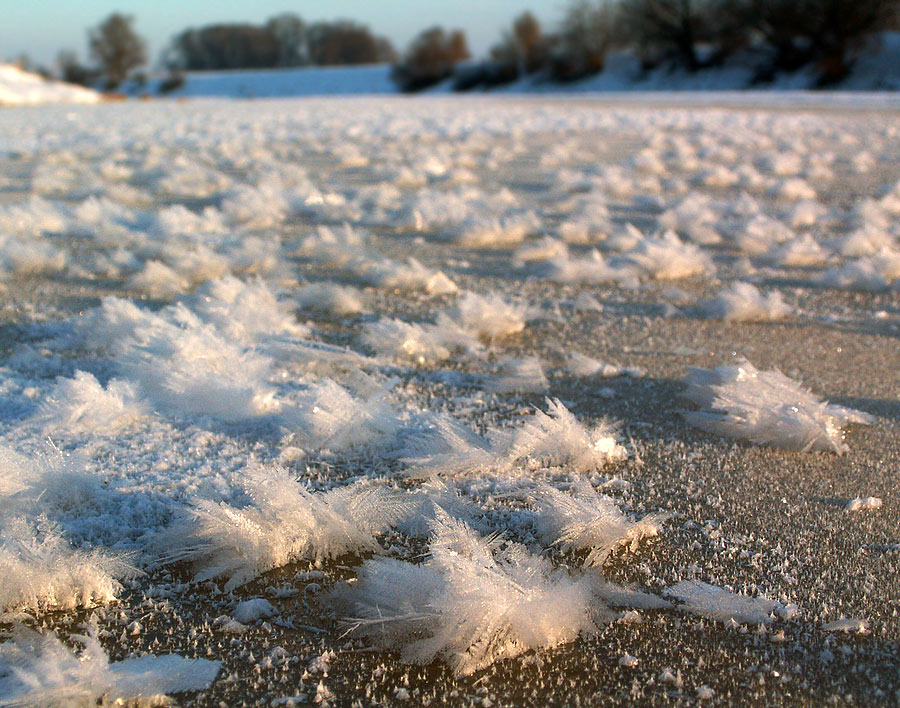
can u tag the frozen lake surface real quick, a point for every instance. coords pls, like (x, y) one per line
(467, 401)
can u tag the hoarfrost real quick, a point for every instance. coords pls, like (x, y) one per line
(863, 504)
(81, 404)
(329, 298)
(281, 521)
(552, 439)
(525, 375)
(487, 317)
(471, 603)
(40, 568)
(742, 302)
(719, 604)
(767, 408)
(39, 670)
(585, 520)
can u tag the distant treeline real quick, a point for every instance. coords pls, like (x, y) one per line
(284, 41)
(784, 35)
(781, 35)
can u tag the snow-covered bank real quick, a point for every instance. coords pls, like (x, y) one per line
(876, 69)
(275, 83)
(21, 88)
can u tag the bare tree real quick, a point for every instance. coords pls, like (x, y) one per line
(346, 42)
(116, 48)
(523, 50)
(430, 58)
(529, 41)
(289, 32)
(71, 70)
(825, 32)
(670, 27)
(586, 34)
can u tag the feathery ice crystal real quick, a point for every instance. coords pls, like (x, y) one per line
(473, 602)
(767, 408)
(281, 521)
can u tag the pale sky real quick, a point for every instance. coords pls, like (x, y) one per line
(41, 28)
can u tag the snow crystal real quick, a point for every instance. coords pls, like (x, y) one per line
(249, 611)
(471, 603)
(864, 241)
(35, 217)
(705, 693)
(329, 298)
(582, 366)
(280, 522)
(585, 302)
(261, 207)
(184, 366)
(806, 214)
(525, 375)
(326, 415)
(553, 439)
(793, 189)
(544, 249)
(488, 317)
(497, 233)
(81, 404)
(40, 568)
(628, 661)
(667, 257)
(592, 269)
(38, 669)
(801, 251)
(178, 220)
(869, 274)
(245, 311)
(587, 521)
(198, 361)
(411, 275)
(757, 234)
(719, 604)
(767, 408)
(863, 503)
(158, 280)
(849, 624)
(781, 164)
(24, 256)
(587, 220)
(422, 343)
(694, 218)
(742, 302)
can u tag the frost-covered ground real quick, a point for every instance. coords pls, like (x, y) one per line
(450, 401)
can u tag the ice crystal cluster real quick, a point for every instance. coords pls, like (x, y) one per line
(767, 408)
(414, 366)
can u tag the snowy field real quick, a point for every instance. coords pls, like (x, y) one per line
(450, 401)
(877, 68)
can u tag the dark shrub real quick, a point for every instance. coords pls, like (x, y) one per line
(430, 59)
(116, 48)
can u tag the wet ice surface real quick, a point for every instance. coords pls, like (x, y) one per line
(383, 400)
